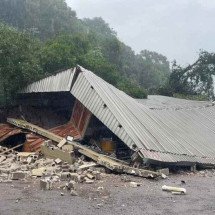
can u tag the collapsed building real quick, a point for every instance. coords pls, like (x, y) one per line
(79, 104)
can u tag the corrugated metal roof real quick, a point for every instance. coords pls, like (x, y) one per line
(184, 132)
(61, 82)
(164, 102)
(7, 131)
(34, 142)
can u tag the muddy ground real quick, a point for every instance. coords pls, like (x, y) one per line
(114, 196)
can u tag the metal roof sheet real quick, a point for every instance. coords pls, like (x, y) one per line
(180, 132)
(184, 132)
(34, 141)
(164, 102)
(7, 131)
(60, 82)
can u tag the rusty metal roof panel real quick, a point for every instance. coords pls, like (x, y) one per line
(189, 132)
(34, 141)
(60, 82)
(7, 131)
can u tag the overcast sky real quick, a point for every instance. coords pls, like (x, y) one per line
(176, 28)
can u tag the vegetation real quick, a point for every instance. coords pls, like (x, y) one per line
(193, 81)
(19, 62)
(47, 37)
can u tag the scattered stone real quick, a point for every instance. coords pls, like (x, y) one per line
(164, 171)
(71, 185)
(90, 176)
(65, 176)
(18, 175)
(134, 184)
(100, 188)
(174, 189)
(2, 158)
(163, 176)
(88, 181)
(58, 161)
(38, 172)
(73, 193)
(45, 184)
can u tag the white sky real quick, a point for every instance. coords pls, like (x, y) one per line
(176, 28)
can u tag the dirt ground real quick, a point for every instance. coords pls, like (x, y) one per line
(113, 195)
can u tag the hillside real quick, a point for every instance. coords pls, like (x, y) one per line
(63, 41)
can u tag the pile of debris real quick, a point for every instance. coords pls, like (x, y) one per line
(26, 166)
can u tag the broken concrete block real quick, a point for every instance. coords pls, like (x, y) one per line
(71, 185)
(164, 171)
(2, 158)
(65, 176)
(38, 172)
(73, 193)
(88, 181)
(134, 184)
(97, 175)
(14, 167)
(54, 152)
(163, 176)
(90, 176)
(174, 189)
(61, 143)
(68, 148)
(30, 160)
(58, 161)
(45, 184)
(74, 176)
(18, 175)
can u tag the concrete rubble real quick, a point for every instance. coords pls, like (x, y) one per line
(35, 166)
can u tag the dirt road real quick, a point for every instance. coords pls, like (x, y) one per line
(113, 196)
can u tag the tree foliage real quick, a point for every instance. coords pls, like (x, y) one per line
(19, 61)
(66, 41)
(195, 79)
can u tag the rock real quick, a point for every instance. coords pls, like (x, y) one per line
(18, 175)
(30, 160)
(58, 161)
(134, 184)
(90, 176)
(97, 175)
(100, 188)
(174, 189)
(14, 167)
(71, 185)
(65, 176)
(163, 176)
(73, 193)
(88, 181)
(45, 184)
(164, 171)
(62, 194)
(38, 172)
(2, 158)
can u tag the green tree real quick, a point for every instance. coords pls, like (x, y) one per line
(19, 61)
(195, 79)
(42, 18)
